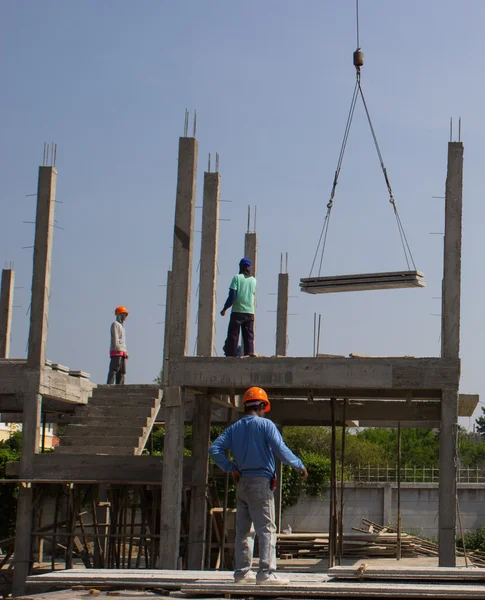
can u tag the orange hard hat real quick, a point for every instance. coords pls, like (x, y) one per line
(254, 394)
(119, 310)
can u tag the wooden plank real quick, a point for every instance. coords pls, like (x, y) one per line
(408, 572)
(341, 589)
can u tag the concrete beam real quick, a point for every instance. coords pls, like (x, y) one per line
(282, 315)
(6, 306)
(41, 274)
(303, 412)
(318, 374)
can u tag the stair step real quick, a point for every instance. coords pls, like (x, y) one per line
(127, 389)
(105, 440)
(105, 421)
(81, 431)
(111, 450)
(122, 401)
(122, 412)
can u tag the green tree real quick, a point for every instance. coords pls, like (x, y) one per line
(480, 423)
(9, 450)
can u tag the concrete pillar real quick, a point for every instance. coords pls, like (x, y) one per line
(180, 290)
(32, 402)
(278, 494)
(447, 485)
(450, 348)
(387, 504)
(41, 274)
(201, 421)
(172, 478)
(450, 334)
(251, 250)
(23, 530)
(166, 336)
(6, 305)
(208, 264)
(282, 315)
(183, 247)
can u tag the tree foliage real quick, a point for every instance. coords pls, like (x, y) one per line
(9, 450)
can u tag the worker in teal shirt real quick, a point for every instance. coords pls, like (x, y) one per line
(253, 442)
(241, 298)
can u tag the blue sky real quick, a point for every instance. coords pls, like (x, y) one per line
(271, 81)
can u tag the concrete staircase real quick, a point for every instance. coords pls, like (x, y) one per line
(117, 420)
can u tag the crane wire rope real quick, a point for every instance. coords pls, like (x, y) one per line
(322, 241)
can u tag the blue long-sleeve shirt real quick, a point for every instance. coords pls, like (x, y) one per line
(252, 441)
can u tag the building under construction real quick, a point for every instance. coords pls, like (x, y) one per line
(102, 498)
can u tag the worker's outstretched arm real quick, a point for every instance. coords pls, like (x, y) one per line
(218, 452)
(280, 449)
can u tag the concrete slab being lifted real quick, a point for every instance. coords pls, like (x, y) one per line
(362, 282)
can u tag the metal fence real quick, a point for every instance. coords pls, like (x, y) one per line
(409, 474)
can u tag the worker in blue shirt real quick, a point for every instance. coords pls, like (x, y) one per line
(253, 441)
(241, 298)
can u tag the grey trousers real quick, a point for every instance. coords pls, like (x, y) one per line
(117, 370)
(255, 515)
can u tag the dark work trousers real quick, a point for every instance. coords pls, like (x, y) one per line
(245, 323)
(117, 369)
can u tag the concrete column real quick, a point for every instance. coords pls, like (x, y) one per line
(450, 348)
(6, 305)
(183, 247)
(180, 289)
(282, 315)
(23, 530)
(251, 250)
(172, 478)
(278, 495)
(166, 336)
(32, 403)
(201, 421)
(41, 274)
(447, 485)
(450, 334)
(208, 264)
(387, 504)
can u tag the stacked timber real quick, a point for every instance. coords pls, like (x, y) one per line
(423, 547)
(363, 282)
(356, 545)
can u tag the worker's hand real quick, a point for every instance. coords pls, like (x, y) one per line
(126, 356)
(223, 312)
(236, 475)
(303, 473)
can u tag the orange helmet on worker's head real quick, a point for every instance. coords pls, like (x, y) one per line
(254, 396)
(120, 310)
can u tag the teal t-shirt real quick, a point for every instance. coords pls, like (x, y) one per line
(245, 288)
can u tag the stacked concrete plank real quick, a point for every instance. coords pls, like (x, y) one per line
(363, 282)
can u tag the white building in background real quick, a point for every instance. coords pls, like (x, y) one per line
(7, 429)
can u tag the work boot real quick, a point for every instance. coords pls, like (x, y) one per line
(271, 579)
